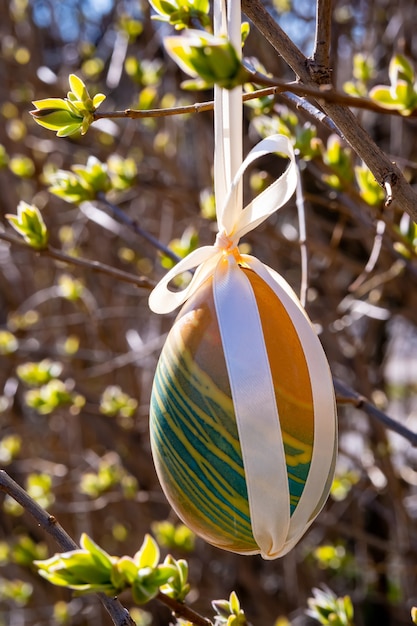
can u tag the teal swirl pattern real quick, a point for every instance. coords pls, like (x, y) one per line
(194, 434)
(196, 450)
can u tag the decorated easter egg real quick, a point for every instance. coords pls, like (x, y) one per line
(245, 483)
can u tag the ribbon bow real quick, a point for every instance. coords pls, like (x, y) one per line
(233, 223)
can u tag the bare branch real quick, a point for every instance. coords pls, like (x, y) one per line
(122, 217)
(275, 87)
(321, 94)
(95, 266)
(348, 395)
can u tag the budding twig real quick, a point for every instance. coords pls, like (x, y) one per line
(95, 266)
(49, 523)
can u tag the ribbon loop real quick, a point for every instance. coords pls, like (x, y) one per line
(233, 224)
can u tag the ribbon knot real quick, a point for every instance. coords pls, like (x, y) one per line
(225, 242)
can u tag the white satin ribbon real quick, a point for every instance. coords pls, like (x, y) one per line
(236, 308)
(255, 406)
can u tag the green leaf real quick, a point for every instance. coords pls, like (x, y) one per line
(162, 7)
(383, 95)
(66, 131)
(327, 608)
(148, 554)
(245, 30)
(8, 342)
(99, 555)
(175, 584)
(400, 68)
(88, 569)
(234, 603)
(68, 115)
(29, 223)
(180, 13)
(83, 183)
(78, 88)
(98, 99)
(126, 568)
(404, 93)
(44, 106)
(37, 374)
(212, 59)
(142, 592)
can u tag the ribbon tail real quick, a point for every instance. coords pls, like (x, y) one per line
(323, 460)
(255, 406)
(163, 300)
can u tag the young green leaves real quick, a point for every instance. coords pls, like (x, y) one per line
(328, 609)
(401, 95)
(84, 182)
(67, 116)
(209, 60)
(30, 225)
(229, 612)
(181, 13)
(90, 569)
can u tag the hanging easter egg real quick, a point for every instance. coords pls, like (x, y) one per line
(242, 420)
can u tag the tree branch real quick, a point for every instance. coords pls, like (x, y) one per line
(360, 141)
(321, 94)
(95, 266)
(182, 610)
(49, 523)
(122, 217)
(275, 86)
(360, 402)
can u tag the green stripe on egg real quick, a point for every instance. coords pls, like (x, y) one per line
(197, 452)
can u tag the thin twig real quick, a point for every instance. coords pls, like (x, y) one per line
(274, 86)
(122, 217)
(322, 94)
(49, 523)
(182, 610)
(373, 257)
(361, 142)
(95, 266)
(346, 394)
(312, 111)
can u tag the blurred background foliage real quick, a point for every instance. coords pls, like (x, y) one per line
(78, 348)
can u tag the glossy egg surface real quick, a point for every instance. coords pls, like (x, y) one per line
(194, 434)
